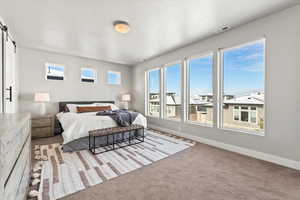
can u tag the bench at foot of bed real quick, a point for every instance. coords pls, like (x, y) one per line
(107, 139)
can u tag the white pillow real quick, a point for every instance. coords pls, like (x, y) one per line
(73, 107)
(112, 106)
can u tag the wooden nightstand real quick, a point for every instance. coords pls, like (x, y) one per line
(43, 126)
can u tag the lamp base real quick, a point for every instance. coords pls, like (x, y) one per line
(43, 109)
(126, 105)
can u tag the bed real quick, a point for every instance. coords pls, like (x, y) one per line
(75, 126)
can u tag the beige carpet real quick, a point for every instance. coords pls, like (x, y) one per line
(201, 173)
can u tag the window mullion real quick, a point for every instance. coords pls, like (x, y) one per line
(147, 102)
(218, 88)
(184, 90)
(162, 92)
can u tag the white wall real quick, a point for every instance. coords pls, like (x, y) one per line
(282, 92)
(32, 79)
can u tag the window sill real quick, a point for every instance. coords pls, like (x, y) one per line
(256, 133)
(172, 120)
(88, 83)
(152, 117)
(198, 124)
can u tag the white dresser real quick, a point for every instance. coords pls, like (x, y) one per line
(15, 155)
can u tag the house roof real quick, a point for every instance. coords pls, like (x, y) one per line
(252, 99)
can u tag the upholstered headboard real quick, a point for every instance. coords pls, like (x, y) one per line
(63, 104)
(61, 108)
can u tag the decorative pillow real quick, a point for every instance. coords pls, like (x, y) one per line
(73, 107)
(81, 109)
(113, 106)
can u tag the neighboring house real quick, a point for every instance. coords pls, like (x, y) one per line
(245, 111)
(240, 112)
(154, 104)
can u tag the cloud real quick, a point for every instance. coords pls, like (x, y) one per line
(253, 56)
(253, 68)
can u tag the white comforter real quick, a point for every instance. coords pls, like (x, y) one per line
(77, 125)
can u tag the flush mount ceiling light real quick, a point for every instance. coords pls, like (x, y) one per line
(121, 26)
(225, 28)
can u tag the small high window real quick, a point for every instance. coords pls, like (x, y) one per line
(113, 78)
(88, 75)
(55, 71)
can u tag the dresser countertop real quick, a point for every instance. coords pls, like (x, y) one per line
(9, 122)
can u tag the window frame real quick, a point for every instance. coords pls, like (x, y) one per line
(114, 72)
(88, 68)
(187, 85)
(217, 84)
(147, 103)
(164, 87)
(245, 110)
(220, 80)
(54, 64)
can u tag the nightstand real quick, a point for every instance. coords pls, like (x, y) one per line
(43, 126)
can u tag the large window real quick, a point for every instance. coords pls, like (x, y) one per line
(172, 94)
(88, 75)
(153, 93)
(200, 92)
(243, 87)
(229, 97)
(55, 71)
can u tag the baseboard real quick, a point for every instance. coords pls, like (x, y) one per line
(244, 151)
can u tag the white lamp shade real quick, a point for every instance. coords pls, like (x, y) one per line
(126, 97)
(41, 97)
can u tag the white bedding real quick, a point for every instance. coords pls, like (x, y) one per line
(77, 125)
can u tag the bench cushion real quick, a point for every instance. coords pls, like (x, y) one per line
(113, 130)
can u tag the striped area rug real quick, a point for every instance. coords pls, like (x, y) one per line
(67, 173)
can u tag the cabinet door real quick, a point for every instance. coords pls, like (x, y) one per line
(10, 93)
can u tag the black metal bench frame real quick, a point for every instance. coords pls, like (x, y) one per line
(132, 139)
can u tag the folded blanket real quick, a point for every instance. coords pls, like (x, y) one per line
(121, 117)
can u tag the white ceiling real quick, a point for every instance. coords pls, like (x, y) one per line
(84, 27)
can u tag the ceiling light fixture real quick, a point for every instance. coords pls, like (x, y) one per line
(121, 26)
(225, 28)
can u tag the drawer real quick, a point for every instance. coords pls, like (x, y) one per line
(19, 174)
(11, 147)
(42, 132)
(41, 122)
(24, 183)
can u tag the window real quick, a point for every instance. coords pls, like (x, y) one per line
(113, 78)
(240, 89)
(153, 101)
(172, 94)
(236, 114)
(88, 75)
(243, 81)
(200, 89)
(54, 71)
(244, 114)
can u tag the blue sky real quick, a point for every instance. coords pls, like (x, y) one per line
(173, 78)
(243, 72)
(201, 73)
(154, 81)
(88, 73)
(113, 78)
(55, 68)
(244, 69)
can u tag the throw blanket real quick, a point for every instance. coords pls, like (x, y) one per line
(121, 117)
